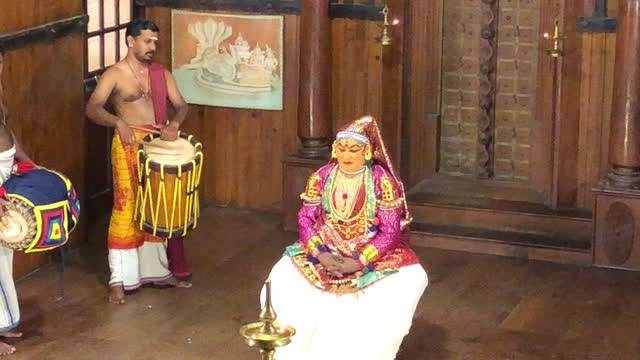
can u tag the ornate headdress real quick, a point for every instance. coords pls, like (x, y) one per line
(365, 130)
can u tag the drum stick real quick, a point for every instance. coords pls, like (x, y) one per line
(157, 145)
(144, 129)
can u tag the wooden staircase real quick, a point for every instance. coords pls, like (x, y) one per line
(470, 222)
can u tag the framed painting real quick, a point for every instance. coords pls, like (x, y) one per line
(228, 60)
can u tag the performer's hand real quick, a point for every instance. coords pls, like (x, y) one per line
(3, 204)
(338, 265)
(127, 136)
(328, 260)
(169, 132)
(349, 266)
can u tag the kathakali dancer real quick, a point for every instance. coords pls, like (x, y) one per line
(351, 284)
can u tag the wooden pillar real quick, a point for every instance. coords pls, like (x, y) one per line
(314, 109)
(624, 145)
(617, 207)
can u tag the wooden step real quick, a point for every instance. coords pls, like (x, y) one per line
(490, 218)
(504, 243)
(506, 216)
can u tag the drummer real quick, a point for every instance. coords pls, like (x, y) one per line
(138, 90)
(10, 151)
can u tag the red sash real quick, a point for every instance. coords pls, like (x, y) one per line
(159, 92)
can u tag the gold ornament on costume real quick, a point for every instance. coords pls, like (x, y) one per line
(387, 188)
(389, 199)
(312, 194)
(370, 253)
(367, 152)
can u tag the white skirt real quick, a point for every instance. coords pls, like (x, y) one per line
(368, 324)
(9, 309)
(133, 268)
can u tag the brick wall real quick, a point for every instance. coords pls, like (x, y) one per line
(515, 101)
(518, 33)
(460, 83)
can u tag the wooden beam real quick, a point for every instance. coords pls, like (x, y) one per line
(362, 12)
(366, 11)
(257, 6)
(46, 32)
(599, 21)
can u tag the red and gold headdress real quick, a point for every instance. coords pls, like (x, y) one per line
(365, 130)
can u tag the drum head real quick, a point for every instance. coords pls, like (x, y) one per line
(16, 232)
(176, 152)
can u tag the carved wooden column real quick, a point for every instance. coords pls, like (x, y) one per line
(617, 208)
(488, 67)
(314, 109)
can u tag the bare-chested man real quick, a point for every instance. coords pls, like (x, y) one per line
(135, 258)
(10, 149)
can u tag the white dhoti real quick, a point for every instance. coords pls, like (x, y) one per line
(133, 268)
(368, 324)
(9, 309)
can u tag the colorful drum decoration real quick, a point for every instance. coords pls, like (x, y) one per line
(43, 210)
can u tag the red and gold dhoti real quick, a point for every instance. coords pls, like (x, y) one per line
(135, 257)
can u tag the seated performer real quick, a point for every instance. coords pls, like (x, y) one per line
(136, 257)
(10, 151)
(351, 284)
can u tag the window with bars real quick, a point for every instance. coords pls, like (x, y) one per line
(106, 41)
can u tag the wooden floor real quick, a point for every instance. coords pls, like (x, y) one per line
(476, 306)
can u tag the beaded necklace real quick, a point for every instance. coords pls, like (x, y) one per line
(345, 193)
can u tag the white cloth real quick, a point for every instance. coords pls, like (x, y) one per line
(9, 309)
(6, 163)
(369, 324)
(132, 268)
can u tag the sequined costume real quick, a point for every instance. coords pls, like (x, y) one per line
(362, 215)
(370, 233)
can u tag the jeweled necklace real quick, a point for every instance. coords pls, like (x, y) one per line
(345, 192)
